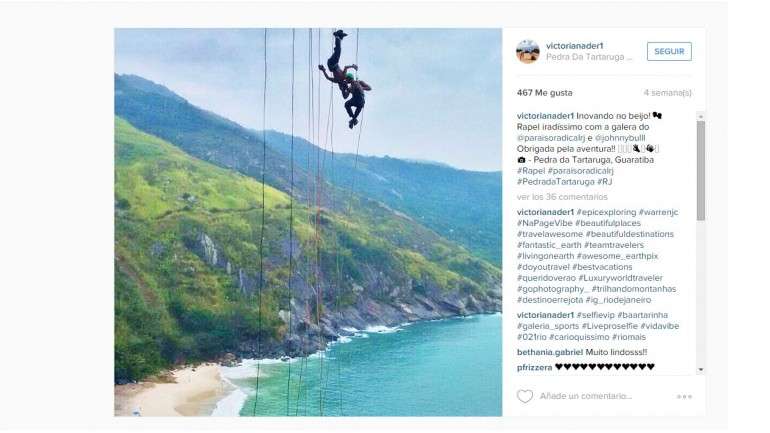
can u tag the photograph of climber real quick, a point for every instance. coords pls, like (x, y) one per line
(308, 222)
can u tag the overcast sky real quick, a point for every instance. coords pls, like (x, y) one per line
(436, 92)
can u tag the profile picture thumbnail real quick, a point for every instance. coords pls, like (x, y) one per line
(527, 51)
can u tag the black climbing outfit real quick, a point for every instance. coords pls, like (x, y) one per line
(333, 63)
(357, 100)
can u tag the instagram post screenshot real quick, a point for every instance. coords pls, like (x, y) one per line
(606, 246)
(437, 216)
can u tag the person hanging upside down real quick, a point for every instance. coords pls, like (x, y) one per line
(356, 88)
(337, 75)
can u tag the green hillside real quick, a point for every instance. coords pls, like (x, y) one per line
(463, 206)
(187, 237)
(460, 205)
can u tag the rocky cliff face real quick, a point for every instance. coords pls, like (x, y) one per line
(191, 240)
(383, 302)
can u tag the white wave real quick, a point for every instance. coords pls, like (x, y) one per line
(342, 339)
(382, 329)
(232, 404)
(350, 329)
(269, 361)
(247, 368)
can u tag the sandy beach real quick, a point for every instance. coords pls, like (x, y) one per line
(192, 391)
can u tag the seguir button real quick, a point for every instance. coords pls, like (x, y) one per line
(669, 51)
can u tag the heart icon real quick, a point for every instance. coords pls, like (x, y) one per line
(525, 395)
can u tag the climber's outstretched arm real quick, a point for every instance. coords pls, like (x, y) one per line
(326, 74)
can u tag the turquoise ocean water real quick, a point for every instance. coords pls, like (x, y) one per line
(446, 367)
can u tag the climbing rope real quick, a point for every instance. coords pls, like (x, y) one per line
(315, 188)
(262, 229)
(318, 284)
(358, 142)
(355, 168)
(336, 257)
(310, 134)
(291, 221)
(328, 141)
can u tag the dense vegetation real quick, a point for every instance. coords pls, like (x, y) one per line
(463, 206)
(187, 237)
